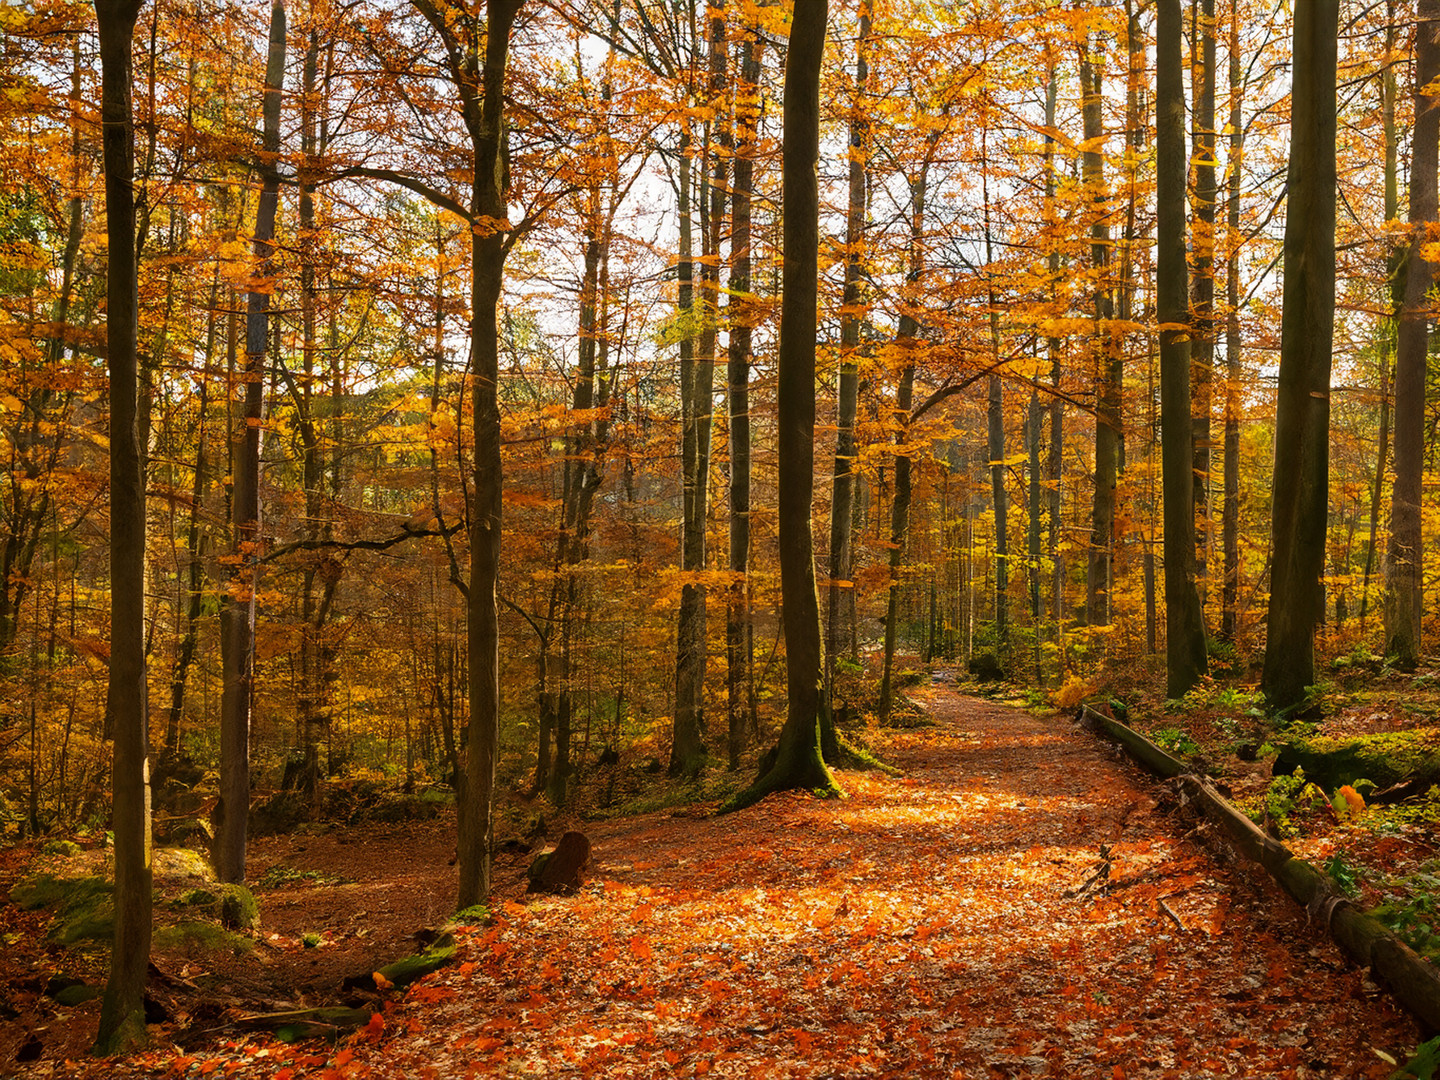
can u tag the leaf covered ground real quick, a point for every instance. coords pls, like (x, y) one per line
(1016, 904)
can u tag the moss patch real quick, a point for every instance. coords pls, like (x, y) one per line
(84, 907)
(1386, 758)
(195, 938)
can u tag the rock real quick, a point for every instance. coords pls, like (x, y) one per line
(238, 908)
(560, 871)
(64, 848)
(1386, 759)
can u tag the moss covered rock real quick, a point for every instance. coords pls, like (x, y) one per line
(84, 907)
(1384, 759)
(238, 908)
(64, 848)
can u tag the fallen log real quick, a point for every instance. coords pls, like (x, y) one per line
(1412, 981)
(329, 1022)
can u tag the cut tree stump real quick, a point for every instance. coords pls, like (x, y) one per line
(561, 871)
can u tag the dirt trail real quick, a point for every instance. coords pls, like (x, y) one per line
(921, 927)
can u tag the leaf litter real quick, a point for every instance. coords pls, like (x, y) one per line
(1015, 905)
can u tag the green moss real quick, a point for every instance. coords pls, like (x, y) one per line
(238, 908)
(84, 908)
(196, 938)
(65, 848)
(1385, 758)
(406, 970)
(280, 876)
(78, 994)
(182, 863)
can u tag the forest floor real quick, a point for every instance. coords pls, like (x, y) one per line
(1019, 903)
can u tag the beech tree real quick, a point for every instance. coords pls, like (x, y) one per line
(122, 1016)
(1302, 410)
(797, 762)
(1403, 597)
(238, 624)
(1185, 632)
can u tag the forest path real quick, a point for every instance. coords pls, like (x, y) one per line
(924, 926)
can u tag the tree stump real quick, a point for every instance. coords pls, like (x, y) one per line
(560, 871)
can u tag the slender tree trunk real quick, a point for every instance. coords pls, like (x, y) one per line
(1054, 464)
(907, 332)
(1107, 358)
(842, 573)
(1404, 559)
(484, 116)
(739, 655)
(1395, 268)
(1302, 412)
(122, 1015)
(1230, 514)
(687, 749)
(1202, 286)
(798, 761)
(1185, 652)
(995, 424)
(238, 618)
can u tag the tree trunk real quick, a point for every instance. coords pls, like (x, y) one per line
(1302, 412)
(122, 1016)
(842, 503)
(238, 618)
(908, 330)
(484, 116)
(687, 749)
(1230, 514)
(1107, 359)
(1404, 558)
(798, 762)
(1202, 287)
(739, 656)
(1185, 653)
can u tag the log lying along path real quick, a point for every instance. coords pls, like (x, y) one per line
(958, 921)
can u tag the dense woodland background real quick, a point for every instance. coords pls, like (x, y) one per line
(988, 477)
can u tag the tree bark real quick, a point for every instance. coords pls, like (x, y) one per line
(1302, 413)
(842, 502)
(739, 657)
(1230, 513)
(1107, 358)
(122, 1015)
(1185, 654)
(484, 118)
(798, 762)
(1202, 286)
(1404, 558)
(238, 618)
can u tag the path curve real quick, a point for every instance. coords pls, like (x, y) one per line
(919, 928)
